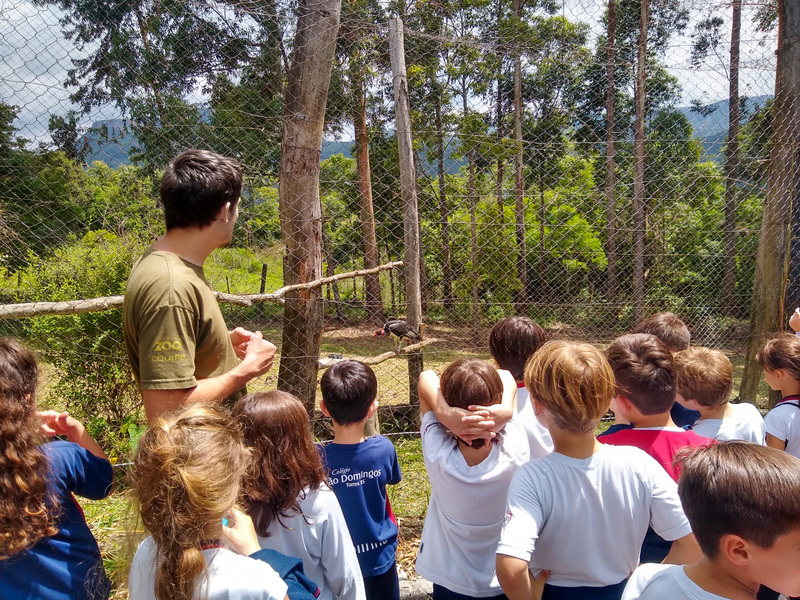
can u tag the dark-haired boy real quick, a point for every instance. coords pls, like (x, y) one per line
(360, 468)
(674, 333)
(176, 338)
(644, 372)
(742, 503)
(512, 341)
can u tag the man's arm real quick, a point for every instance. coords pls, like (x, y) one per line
(258, 359)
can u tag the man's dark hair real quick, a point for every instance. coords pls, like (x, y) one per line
(741, 489)
(667, 327)
(196, 185)
(348, 390)
(513, 341)
(644, 371)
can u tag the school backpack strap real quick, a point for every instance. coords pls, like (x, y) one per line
(290, 569)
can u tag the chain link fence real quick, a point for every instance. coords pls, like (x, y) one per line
(537, 192)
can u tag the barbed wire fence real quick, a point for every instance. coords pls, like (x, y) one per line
(547, 185)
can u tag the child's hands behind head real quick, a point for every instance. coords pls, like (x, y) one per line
(239, 534)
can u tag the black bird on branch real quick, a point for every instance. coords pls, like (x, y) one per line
(399, 330)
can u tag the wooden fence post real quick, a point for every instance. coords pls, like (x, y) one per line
(408, 192)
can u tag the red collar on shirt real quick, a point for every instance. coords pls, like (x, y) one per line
(789, 398)
(520, 384)
(209, 544)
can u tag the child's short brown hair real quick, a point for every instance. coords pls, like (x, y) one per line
(469, 381)
(348, 389)
(667, 327)
(512, 341)
(704, 375)
(644, 372)
(573, 381)
(781, 352)
(741, 489)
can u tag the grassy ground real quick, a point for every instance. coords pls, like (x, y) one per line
(113, 521)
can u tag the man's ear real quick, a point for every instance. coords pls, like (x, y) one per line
(323, 408)
(735, 550)
(373, 408)
(224, 213)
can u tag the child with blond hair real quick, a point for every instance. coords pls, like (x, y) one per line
(582, 512)
(704, 379)
(780, 358)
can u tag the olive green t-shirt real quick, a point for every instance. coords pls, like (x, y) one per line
(174, 331)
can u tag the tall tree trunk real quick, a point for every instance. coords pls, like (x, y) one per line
(519, 181)
(732, 166)
(300, 210)
(473, 221)
(639, 221)
(330, 269)
(611, 182)
(499, 125)
(408, 191)
(444, 226)
(783, 196)
(372, 286)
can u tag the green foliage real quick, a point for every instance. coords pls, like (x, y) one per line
(94, 379)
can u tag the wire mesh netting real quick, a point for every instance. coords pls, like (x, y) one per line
(550, 183)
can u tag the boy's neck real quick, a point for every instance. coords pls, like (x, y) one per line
(574, 445)
(715, 578)
(791, 387)
(474, 456)
(352, 433)
(713, 412)
(641, 421)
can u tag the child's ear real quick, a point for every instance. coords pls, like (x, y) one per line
(224, 213)
(373, 408)
(735, 550)
(624, 404)
(323, 408)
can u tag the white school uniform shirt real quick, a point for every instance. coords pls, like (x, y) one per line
(745, 424)
(783, 422)
(658, 582)
(230, 576)
(538, 437)
(585, 519)
(320, 538)
(466, 508)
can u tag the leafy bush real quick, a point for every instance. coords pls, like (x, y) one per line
(94, 380)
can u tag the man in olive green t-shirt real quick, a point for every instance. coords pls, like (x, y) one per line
(175, 335)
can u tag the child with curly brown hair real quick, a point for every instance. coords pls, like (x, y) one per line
(46, 549)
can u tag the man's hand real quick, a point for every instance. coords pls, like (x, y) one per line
(258, 357)
(240, 337)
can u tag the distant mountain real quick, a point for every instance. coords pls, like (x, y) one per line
(111, 142)
(712, 129)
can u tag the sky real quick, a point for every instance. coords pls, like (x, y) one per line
(36, 58)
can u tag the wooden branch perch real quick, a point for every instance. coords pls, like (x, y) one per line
(324, 363)
(74, 307)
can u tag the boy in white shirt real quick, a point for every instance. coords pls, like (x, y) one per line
(582, 511)
(704, 383)
(742, 502)
(460, 537)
